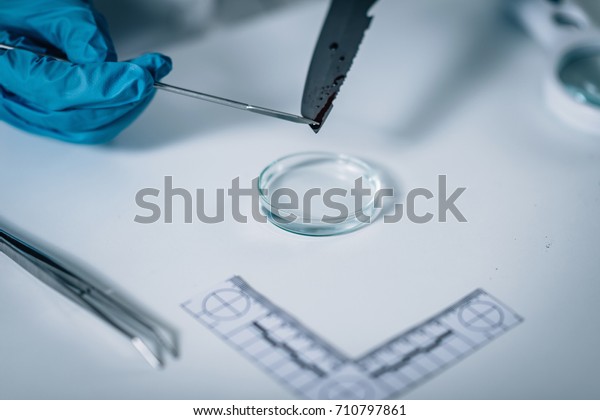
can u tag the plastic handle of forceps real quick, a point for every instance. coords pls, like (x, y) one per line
(552, 23)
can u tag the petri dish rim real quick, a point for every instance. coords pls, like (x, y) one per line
(367, 172)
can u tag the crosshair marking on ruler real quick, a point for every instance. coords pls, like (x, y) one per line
(481, 316)
(226, 304)
(284, 348)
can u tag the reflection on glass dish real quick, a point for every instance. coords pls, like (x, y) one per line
(319, 193)
(579, 73)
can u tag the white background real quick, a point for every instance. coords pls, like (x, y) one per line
(438, 87)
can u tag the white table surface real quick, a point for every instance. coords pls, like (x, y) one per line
(438, 88)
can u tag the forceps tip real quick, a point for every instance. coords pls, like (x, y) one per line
(153, 359)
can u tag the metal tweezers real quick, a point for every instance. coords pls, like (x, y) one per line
(149, 338)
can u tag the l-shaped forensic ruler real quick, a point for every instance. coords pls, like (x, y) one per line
(307, 364)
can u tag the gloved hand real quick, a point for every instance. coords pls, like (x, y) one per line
(89, 99)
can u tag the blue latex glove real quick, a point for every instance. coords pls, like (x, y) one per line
(87, 100)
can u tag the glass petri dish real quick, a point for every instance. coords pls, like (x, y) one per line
(579, 72)
(319, 193)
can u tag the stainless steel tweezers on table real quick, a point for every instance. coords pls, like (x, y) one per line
(145, 334)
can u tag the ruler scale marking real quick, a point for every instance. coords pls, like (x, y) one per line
(304, 362)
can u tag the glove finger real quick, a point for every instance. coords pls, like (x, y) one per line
(73, 27)
(55, 85)
(25, 43)
(78, 126)
(158, 65)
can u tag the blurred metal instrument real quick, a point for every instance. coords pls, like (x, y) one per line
(209, 98)
(144, 334)
(341, 35)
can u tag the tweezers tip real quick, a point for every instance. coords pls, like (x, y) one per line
(153, 360)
